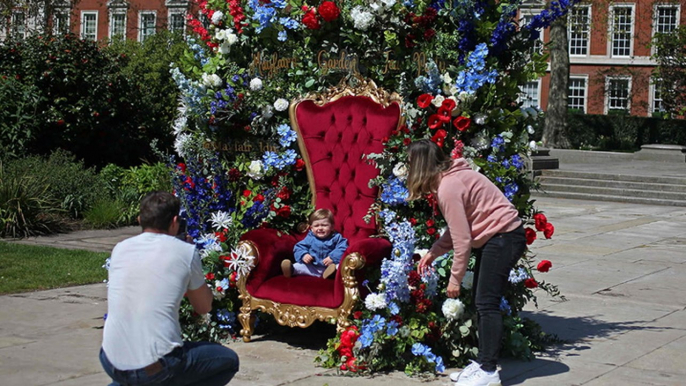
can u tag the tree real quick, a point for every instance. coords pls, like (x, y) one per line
(555, 127)
(670, 74)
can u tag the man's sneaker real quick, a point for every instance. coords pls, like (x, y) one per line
(287, 268)
(479, 378)
(472, 367)
(330, 270)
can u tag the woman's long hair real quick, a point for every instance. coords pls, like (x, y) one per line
(426, 162)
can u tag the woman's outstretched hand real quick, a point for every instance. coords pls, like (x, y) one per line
(453, 290)
(425, 263)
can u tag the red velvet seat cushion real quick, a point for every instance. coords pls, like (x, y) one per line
(299, 290)
(336, 136)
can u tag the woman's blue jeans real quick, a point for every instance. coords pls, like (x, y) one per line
(493, 264)
(196, 363)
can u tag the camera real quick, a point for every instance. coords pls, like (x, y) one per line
(181, 234)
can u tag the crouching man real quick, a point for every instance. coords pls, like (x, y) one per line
(148, 276)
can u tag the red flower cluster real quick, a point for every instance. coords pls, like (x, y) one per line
(345, 349)
(284, 193)
(421, 26)
(542, 225)
(422, 304)
(198, 28)
(234, 174)
(328, 11)
(299, 164)
(236, 11)
(457, 150)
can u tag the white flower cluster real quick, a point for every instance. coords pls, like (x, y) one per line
(518, 275)
(217, 16)
(256, 84)
(182, 144)
(241, 262)
(375, 301)
(400, 171)
(228, 38)
(221, 220)
(256, 170)
(209, 244)
(362, 19)
(211, 80)
(453, 309)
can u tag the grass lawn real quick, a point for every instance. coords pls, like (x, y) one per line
(28, 268)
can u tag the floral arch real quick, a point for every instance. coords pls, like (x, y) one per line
(457, 64)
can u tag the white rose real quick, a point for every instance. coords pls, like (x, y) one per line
(255, 170)
(530, 129)
(533, 146)
(438, 100)
(231, 38)
(400, 171)
(281, 104)
(220, 34)
(224, 48)
(446, 78)
(375, 302)
(217, 17)
(256, 84)
(211, 80)
(452, 308)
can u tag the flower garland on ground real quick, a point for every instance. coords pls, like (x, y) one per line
(457, 64)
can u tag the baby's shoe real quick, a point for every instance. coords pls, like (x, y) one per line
(287, 268)
(330, 270)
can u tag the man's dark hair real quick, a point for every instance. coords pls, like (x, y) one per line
(158, 209)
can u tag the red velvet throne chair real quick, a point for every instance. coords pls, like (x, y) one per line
(334, 131)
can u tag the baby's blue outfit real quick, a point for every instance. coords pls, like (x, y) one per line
(333, 246)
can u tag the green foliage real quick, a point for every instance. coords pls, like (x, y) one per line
(623, 132)
(670, 54)
(31, 268)
(74, 187)
(104, 214)
(84, 100)
(26, 208)
(18, 108)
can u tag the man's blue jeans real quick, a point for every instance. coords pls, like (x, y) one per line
(196, 363)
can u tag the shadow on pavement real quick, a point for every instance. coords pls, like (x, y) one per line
(310, 338)
(537, 368)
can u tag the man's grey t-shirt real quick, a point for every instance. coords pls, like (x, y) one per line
(148, 277)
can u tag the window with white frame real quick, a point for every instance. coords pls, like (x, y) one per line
(60, 22)
(529, 96)
(177, 20)
(579, 29)
(18, 25)
(622, 28)
(665, 19)
(118, 24)
(146, 27)
(576, 96)
(89, 25)
(618, 95)
(656, 104)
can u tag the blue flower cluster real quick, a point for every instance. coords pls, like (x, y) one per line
(419, 349)
(505, 306)
(504, 29)
(431, 83)
(227, 319)
(518, 275)
(515, 160)
(191, 92)
(395, 270)
(431, 280)
(198, 51)
(510, 187)
(265, 13)
(543, 20)
(476, 74)
(254, 215)
(286, 135)
(498, 143)
(371, 327)
(394, 192)
(279, 161)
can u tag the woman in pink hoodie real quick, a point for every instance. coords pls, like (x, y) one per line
(479, 217)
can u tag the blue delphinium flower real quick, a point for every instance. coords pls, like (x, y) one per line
(393, 308)
(394, 192)
(505, 306)
(505, 163)
(419, 349)
(289, 23)
(431, 83)
(510, 190)
(226, 319)
(270, 159)
(498, 143)
(283, 36)
(286, 135)
(544, 19)
(476, 74)
(440, 367)
(392, 328)
(492, 158)
(517, 161)
(518, 275)
(366, 339)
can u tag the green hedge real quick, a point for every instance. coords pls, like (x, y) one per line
(621, 132)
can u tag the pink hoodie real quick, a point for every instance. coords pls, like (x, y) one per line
(475, 210)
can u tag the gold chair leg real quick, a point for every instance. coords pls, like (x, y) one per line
(247, 320)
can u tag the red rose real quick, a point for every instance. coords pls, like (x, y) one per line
(329, 11)
(311, 20)
(60, 122)
(284, 211)
(409, 41)
(462, 123)
(549, 230)
(413, 221)
(431, 231)
(299, 164)
(530, 235)
(258, 198)
(429, 34)
(181, 166)
(430, 222)
(357, 314)
(544, 266)
(407, 141)
(246, 193)
(284, 194)
(530, 283)
(541, 221)
(209, 276)
(435, 122)
(424, 100)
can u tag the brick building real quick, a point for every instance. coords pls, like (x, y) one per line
(610, 55)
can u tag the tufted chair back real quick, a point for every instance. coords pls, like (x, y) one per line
(333, 138)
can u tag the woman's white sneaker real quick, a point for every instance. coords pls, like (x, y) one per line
(479, 378)
(473, 366)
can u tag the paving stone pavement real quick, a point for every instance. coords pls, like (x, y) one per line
(621, 268)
